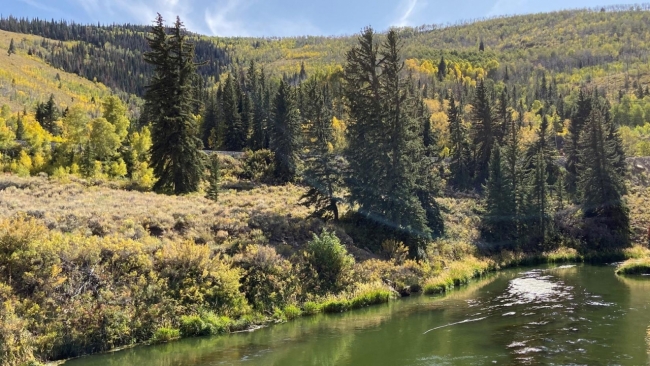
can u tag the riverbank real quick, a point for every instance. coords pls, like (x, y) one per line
(90, 268)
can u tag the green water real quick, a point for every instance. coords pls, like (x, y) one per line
(568, 315)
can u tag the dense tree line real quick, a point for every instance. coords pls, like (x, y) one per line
(113, 50)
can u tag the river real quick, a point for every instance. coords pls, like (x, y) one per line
(563, 315)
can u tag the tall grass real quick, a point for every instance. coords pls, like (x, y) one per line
(457, 274)
(634, 267)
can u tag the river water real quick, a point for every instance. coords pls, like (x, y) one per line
(563, 315)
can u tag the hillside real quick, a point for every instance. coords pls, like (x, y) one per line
(600, 45)
(26, 80)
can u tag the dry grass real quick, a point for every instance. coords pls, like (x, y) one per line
(103, 210)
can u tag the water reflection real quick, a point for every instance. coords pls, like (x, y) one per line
(561, 315)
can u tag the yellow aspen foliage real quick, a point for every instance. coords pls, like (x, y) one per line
(98, 170)
(7, 136)
(38, 162)
(142, 176)
(339, 128)
(118, 169)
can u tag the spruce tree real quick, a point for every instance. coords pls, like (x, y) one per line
(322, 174)
(513, 172)
(235, 129)
(498, 223)
(484, 133)
(175, 150)
(210, 122)
(12, 48)
(389, 178)
(543, 145)
(20, 128)
(213, 179)
(600, 185)
(442, 69)
(460, 154)
(285, 134)
(582, 112)
(538, 209)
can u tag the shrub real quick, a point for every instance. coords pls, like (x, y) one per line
(311, 308)
(268, 280)
(258, 166)
(204, 325)
(292, 312)
(163, 335)
(330, 261)
(15, 341)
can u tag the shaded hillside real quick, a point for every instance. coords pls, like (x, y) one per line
(111, 54)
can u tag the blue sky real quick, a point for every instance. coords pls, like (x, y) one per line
(284, 17)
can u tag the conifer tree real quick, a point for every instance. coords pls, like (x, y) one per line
(583, 110)
(322, 173)
(442, 69)
(210, 122)
(544, 146)
(213, 179)
(20, 128)
(175, 150)
(12, 48)
(539, 208)
(285, 134)
(460, 154)
(259, 113)
(600, 185)
(235, 129)
(385, 144)
(498, 225)
(484, 133)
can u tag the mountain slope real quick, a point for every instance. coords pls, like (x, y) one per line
(26, 80)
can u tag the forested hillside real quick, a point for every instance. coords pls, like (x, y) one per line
(386, 162)
(26, 79)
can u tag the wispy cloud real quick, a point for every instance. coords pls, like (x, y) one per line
(222, 19)
(228, 18)
(140, 11)
(503, 7)
(407, 9)
(41, 6)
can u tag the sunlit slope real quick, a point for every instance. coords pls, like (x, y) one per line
(26, 79)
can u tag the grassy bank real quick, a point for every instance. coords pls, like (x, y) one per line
(634, 267)
(87, 267)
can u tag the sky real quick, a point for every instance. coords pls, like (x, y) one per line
(284, 17)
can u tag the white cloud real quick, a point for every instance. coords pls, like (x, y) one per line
(228, 19)
(41, 6)
(505, 7)
(140, 11)
(407, 9)
(222, 20)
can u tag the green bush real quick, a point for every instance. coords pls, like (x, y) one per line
(335, 306)
(258, 166)
(164, 334)
(268, 280)
(292, 312)
(311, 308)
(204, 325)
(330, 261)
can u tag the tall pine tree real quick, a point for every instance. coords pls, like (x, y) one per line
(484, 133)
(285, 134)
(460, 154)
(601, 186)
(322, 173)
(175, 150)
